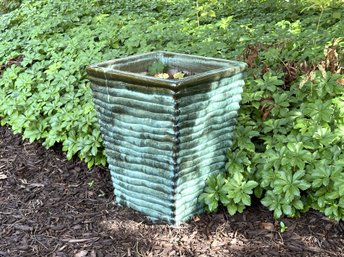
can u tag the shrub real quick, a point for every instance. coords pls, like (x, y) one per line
(291, 121)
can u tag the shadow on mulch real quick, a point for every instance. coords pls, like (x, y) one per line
(53, 207)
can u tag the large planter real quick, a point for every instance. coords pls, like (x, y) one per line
(164, 137)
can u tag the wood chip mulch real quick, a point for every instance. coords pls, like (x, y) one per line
(53, 207)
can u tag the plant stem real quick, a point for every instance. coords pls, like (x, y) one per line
(197, 12)
(320, 16)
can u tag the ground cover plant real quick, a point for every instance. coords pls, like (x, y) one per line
(291, 122)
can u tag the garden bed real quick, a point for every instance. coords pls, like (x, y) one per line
(53, 207)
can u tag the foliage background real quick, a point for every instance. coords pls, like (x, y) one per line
(9, 5)
(291, 123)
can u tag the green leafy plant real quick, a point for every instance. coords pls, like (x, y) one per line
(233, 193)
(288, 145)
(156, 68)
(290, 136)
(90, 184)
(283, 227)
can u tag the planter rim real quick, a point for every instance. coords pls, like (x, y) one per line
(109, 70)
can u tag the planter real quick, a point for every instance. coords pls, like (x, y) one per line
(163, 137)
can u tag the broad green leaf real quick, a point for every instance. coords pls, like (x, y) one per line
(298, 204)
(232, 209)
(246, 199)
(287, 209)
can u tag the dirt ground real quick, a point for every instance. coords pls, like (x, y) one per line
(53, 207)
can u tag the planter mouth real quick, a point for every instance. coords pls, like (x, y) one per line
(132, 69)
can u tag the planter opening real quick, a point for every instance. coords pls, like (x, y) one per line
(134, 68)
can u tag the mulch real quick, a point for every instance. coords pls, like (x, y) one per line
(53, 207)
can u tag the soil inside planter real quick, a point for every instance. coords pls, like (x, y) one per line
(160, 70)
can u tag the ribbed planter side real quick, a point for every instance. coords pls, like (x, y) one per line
(138, 134)
(206, 122)
(163, 141)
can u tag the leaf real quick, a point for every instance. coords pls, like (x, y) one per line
(210, 200)
(178, 75)
(283, 227)
(240, 208)
(212, 206)
(237, 198)
(332, 195)
(298, 175)
(337, 15)
(249, 185)
(287, 209)
(246, 199)
(231, 194)
(32, 135)
(278, 213)
(269, 200)
(232, 209)
(162, 75)
(90, 163)
(212, 181)
(220, 180)
(237, 178)
(303, 185)
(224, 199)
(298, 204)
(321, 202)
(258, 192)
(156, 67)
(341, 202)
(325, 136)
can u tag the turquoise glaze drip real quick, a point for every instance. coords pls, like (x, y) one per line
(163, 138)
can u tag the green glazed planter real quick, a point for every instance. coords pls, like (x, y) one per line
(164, 137)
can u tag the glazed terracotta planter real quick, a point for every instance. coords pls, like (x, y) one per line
(164, 137)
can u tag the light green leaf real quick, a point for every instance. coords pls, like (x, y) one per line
(232, 209)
